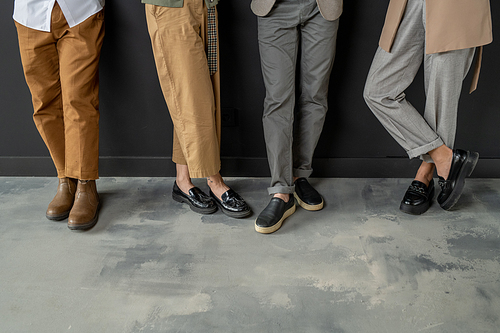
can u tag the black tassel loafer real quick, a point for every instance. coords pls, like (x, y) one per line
(272, 217)
(307, 197)
(417, 198)
(198, 201)
(232, 204)
(462, 165)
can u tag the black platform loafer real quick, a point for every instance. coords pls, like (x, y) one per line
(272, 217)
(462, 165)
(198, 201)
(232, 204)
(417, 198)
(307, 197)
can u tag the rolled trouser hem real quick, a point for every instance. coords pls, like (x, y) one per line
(422, 150)
(82, 175)
(302, 173)
(200, 173)
(203, 173)
(280, 189)
(179, 159)
(428, 159)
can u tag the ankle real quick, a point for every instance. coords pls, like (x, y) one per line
(215, 181)
(425, 178)
(443, 167)
(283, 196)
(442, 157)
(425, 172)
(184, 184)
(217, 185)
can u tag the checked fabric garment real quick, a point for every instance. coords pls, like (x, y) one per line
(212, 41)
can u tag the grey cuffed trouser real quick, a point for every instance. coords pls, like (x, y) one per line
(391, 73)
(290, 24)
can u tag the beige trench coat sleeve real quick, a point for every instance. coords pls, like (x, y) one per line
(450, 25)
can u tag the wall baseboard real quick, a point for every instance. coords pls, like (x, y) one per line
(110, 166)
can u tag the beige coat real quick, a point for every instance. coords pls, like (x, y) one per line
(330, 9)
(450, 25)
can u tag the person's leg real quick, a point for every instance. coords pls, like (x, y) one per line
(40, 59)
(181, 62)
(79, 51)
(453, 166)
(216, 183)
(444, 74)
(230, 202)
(278, 45)
(182, 178)
(390, 75)
(318, 44)
(193, 99)
(425, 172)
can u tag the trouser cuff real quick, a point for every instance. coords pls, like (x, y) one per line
(82, 175)
(422, 150)
(280, 189)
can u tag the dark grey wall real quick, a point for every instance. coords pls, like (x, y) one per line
(136, 131)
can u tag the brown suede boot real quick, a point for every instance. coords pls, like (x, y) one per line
(84, 213)
(60, 206)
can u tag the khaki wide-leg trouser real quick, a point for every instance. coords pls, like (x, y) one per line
(179, 40)
(61, 70)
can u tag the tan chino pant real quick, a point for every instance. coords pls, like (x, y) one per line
(61, 70)
(179, 40)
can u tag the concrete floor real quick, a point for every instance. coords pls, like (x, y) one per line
(152, 265)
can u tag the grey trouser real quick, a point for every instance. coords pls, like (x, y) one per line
(290, 24)
(391, 73)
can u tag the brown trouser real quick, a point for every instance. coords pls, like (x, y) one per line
(179, 40)
(61, 70)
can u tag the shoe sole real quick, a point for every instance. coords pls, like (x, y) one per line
(204, 211)
(468, 168)
(417, 210)
(59, 217)
(307, 206)
(89, 225)
(275, 227)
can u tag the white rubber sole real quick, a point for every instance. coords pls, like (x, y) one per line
(275, 227)
(307, 206)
